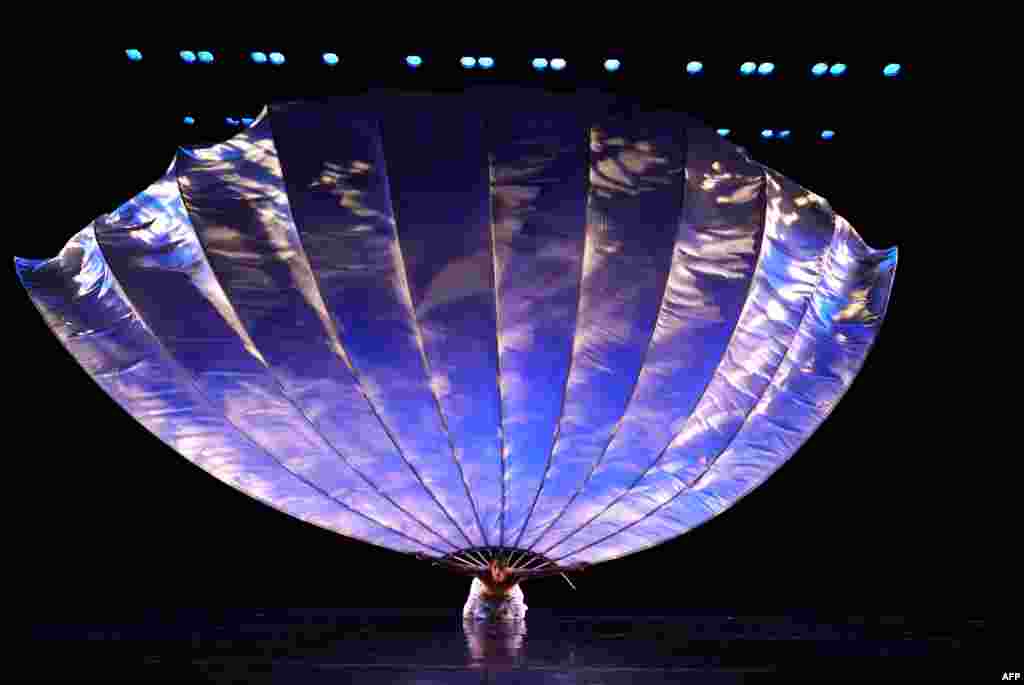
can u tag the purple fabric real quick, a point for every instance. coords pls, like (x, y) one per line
(486, 320)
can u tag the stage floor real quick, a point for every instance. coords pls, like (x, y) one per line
(435, 646)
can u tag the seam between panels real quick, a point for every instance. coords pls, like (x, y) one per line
(350, 365)
(572, 342)
(426, 364)
(687, 486)
(190, 378)
(497, 350)
(732, 335)
(636, 381)
(313, 424)
(806, 437)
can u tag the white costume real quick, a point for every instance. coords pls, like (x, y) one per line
(481, 608)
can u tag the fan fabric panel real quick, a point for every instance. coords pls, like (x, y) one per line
(83, 305)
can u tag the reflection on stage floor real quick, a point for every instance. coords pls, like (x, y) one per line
(436, 646)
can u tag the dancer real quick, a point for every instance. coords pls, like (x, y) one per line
(495, 594)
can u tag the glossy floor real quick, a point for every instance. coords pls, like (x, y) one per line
(435, 646)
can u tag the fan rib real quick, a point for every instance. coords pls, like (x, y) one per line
(189, 378)
(497, 357)
(568, 368)
(688, 485)
(632, 394)
(664, 450)
(302, 412)
(407, 291)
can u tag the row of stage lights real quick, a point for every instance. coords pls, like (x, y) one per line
(767, 134)
(783, 134)
(539, 63)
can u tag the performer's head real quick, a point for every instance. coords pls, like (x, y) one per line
(498, 572)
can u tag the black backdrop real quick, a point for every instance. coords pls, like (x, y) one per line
(868, 515)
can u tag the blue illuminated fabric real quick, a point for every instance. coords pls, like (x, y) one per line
(436, 323)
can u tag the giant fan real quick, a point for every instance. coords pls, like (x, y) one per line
(549, 328)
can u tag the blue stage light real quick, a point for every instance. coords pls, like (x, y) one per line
(414, 61)
(187, 56)
(612, 64)
(468, 62)
(231, 121)
(724, 132)
(276, 58)
(247, 121)
(784, 133)
(558, 64)
(189, 120)
(694, 67)
(747, 68)
(766, 68)
(330, 59)
(767, 133)
(258, 57)
(134, 55)
(819, 69)
(828, 134)
(891, 69)
(485, 62)
(206, 57)
(837, 69)
(540, 63)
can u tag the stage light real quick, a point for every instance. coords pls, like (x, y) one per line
(819, 69)
(247, 121)
(724, 132)
(330, 59)
(891, 69)
(540, 63)
(414, 61)
(828, 134)
(767, 133)
(747, 68)
(694, 67)
(468, 62)
(231, 121)
(134, 55)
(765, 68)
(485, 62)
(276, 58)
(206, 57)
(187, 56)
(612, 64)
(258, 57)
(558, 64)
(784, 133)
(837, 69)
(189, 120)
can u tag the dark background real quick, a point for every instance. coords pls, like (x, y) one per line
(875, 513)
